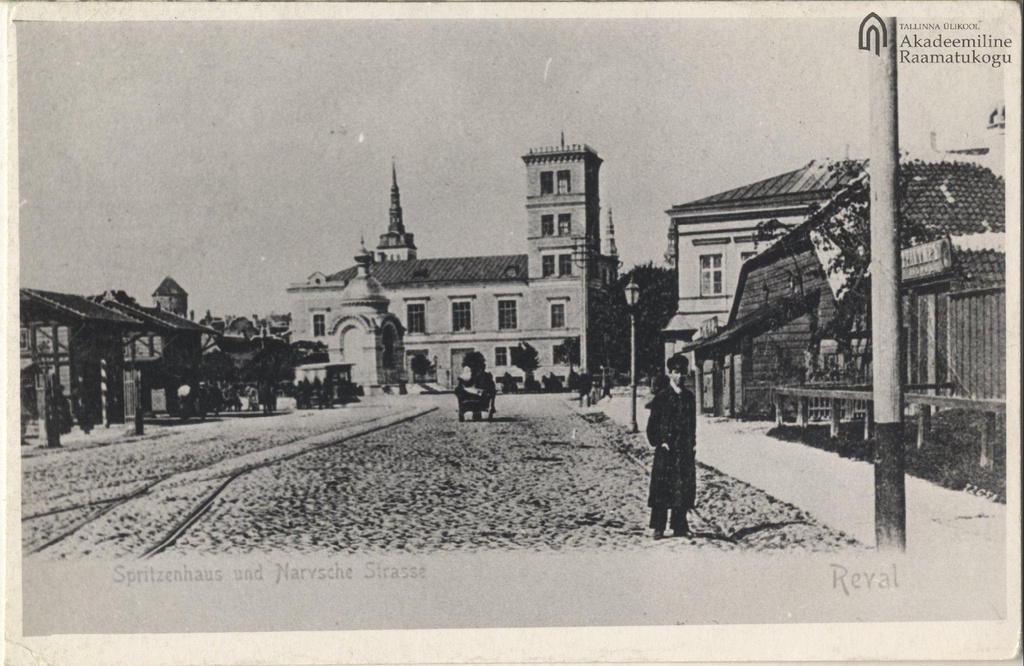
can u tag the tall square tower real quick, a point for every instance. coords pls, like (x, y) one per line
(562, 206)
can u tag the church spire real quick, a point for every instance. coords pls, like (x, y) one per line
(396, 244)
(395, 225)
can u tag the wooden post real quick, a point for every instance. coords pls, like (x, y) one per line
(834, 405)
(778, 409)
(137, 379)
(103, 393)
(924, 423)
(801, 412)
(886, 329)
(51, 410)
(869, 417)
(698, 382)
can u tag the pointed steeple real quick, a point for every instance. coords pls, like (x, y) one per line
(608, 247)
(395, 225)
(396, 244)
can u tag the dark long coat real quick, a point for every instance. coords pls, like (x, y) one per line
(673, 421)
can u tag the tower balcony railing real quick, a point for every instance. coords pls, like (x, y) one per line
(569, 148)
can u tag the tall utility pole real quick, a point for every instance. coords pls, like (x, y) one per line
(886, 329)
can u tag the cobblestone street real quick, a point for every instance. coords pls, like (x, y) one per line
(393, 474)
(540, 477)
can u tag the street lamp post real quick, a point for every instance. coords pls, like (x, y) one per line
(582, 250)
(632, 295)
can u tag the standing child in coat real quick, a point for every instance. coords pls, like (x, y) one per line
(672, 431)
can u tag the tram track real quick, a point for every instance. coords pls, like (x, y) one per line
(197, 513)
(105, 506)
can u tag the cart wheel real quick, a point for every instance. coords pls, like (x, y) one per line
(476, 416)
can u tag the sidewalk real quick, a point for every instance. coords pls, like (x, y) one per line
(838, 491)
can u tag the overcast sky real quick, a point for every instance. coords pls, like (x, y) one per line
(240, 157)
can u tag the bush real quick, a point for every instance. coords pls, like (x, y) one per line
(948, 458)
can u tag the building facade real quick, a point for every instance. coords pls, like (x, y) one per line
(447, 307)
(711, 238)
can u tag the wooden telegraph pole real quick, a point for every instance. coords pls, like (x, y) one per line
(886, 329)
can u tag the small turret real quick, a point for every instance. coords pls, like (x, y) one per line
(169, 296)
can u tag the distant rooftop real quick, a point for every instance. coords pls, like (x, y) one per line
(502, 268)
(169, 288)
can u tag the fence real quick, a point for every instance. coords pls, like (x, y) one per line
(832, 405)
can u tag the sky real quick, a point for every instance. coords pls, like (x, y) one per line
(241, 157)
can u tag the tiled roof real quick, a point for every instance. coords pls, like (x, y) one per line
(815, 177)
(954, 198)
(501, 268)
(978, 269)
(169, 287)
(79, 306)
(162, 318)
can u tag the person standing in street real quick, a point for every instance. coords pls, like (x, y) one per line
(672, 431)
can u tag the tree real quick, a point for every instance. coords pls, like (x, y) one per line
(571, 349)
(420, 366)
(609, 327)
(526, 358)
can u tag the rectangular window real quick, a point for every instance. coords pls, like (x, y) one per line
(564, 183)
(564, 264)
(564, 224)
(547, 182)
(547, 225)
(500, 356)
(507, 316)
(416, 318)
(462, 316)
(547, 265)
(24, 339)
(559, 355)
(319, 325)
(558, 315)
(711, 275)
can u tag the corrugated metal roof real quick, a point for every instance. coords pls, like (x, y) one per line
(500, 268)
(814, 177)
(80, 306)
(158, 316)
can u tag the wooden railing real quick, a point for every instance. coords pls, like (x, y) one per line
(924, 402)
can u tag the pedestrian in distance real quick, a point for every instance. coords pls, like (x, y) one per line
(672, 431)
(318, 393)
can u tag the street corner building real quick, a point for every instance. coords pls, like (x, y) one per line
(393, 306)
(800, 313)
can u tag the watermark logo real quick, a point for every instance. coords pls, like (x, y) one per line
(873, 35)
